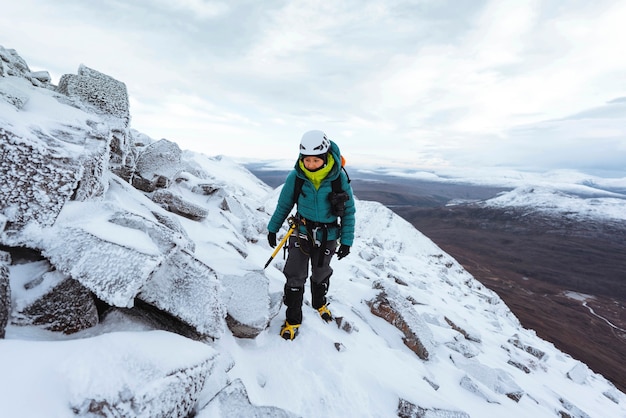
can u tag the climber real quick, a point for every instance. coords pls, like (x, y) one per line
(321, 191)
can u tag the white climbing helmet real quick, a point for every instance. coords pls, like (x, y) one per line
(314, 143)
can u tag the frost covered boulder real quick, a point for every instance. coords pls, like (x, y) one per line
(157, 165)
(37, 177)
(100, 92)
(189, 290)
(118, 374)
(249, 305)
(54, 301)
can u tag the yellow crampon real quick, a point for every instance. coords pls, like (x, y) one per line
(288, 331)
(325, 313)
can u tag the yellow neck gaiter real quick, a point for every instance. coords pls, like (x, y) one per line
(316, 177)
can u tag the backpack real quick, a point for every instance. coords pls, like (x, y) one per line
(338, 197)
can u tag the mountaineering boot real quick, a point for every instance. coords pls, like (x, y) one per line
(325, 313)
(288, 331)
(318, 298)
(293, 315)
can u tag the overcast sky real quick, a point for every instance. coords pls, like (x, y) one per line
(529, 84)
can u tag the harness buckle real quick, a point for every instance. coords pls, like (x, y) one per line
(314, 233)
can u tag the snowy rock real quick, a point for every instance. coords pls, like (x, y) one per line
(496, 380)
(190, 291)
(515, 340)
(57, 303)
(407, 409)
(175, 204)
(471, 386)
(98, 91)
(166, 233)
(158, 164)
(35, 183)
(579, 373)
(11, 64)
(233, 402)
(248, 303)
(129, 378)
(466, 330)
(114, 272)
(398, 311)
(572, 410)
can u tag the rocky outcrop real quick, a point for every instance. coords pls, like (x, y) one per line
(11, 64)
(398, 311)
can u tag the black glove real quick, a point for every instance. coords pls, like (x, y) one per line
(344, 250)
(271, 238)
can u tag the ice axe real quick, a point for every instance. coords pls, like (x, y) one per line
(292, 224)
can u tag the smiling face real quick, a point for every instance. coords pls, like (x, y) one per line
(312, 162)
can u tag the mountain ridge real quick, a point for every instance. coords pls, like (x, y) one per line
(185, 233)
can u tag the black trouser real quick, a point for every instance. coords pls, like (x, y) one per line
(301, 254)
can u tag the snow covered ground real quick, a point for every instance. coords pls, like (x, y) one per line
(480, 362)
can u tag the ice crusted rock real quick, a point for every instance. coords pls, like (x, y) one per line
(35, 182)
(114, 272)
(159, 159)
(189, 290)
(57, 303)
(175, 204)
(102, 93)
(248, 303)
(233, 402)
(134, 380)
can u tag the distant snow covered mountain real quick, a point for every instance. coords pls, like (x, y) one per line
(131, 284)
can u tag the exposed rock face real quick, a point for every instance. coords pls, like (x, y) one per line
(65, 306)
(396, 310)
(172, 203)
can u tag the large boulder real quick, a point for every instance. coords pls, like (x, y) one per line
(54, 301)
(157, 165)
(37, 180)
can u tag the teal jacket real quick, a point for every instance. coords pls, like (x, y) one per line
(314, 204)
